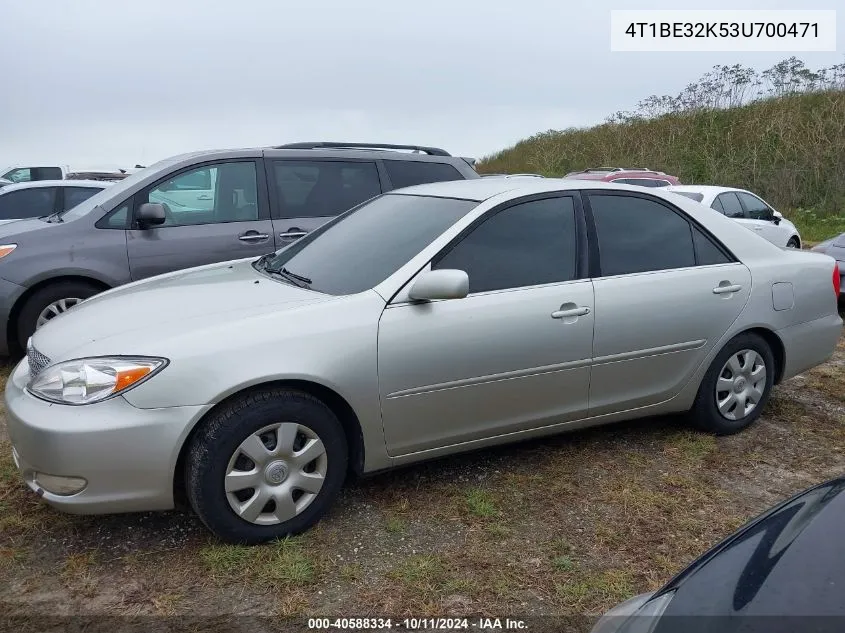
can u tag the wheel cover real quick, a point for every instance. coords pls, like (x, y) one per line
(55, 309)
(275, 473)
(741, 384)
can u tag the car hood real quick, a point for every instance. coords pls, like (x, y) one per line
(754, 571)
(167, 306)
(10, 228)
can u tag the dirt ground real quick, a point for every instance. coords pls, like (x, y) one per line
(567, 525)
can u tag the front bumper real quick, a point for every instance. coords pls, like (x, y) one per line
(126, 455)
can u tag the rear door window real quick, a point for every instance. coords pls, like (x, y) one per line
(406, 173)
(316, 189)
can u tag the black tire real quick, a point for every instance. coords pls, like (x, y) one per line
(43, 297)
(705, 414)
(220, 436)
(793, 242)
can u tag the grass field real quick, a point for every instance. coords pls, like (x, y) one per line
(566, 525)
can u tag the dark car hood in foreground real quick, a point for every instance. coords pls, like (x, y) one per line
(790, 561)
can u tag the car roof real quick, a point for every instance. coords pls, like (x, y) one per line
(34, 184)
(708, 189)
(480, 189)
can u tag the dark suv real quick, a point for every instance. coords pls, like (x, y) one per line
(191, 210)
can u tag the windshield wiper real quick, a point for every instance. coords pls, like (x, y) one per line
(302, 282)
(54, 217)
(284, 273)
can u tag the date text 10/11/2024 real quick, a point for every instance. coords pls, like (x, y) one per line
(417, 624)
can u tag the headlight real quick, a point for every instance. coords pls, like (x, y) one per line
(5, 249)
(88, 380)
(637, 615)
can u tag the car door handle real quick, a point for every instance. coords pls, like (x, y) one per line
(253, 237)
(571, 312)
(726, 289)
(293, 234)
(757, 228)
(204, 197)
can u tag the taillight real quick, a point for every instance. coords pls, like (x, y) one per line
(837, 279)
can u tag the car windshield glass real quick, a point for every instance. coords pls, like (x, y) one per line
(361, 248)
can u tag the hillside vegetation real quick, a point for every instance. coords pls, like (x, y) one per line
(780, 133)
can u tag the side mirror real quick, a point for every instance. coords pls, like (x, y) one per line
(777, 216)
(440, 284)
(151, 214)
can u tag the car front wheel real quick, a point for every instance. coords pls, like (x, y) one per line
(736, 387)
(266, 465)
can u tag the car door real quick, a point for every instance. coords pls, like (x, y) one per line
(665, 293)
(235, 225)
(761, 218)
(32, 202)
(513, 355)
(307, 193)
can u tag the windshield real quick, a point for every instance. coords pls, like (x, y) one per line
(698, 197)
(364, 246)
(113, 191)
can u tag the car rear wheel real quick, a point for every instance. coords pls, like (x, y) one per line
(48, 302)
(736, 387)
(266, 466)
(793, 242)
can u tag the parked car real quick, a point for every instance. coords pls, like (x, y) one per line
(42, 198)
(424, 322)
(783, 571)
(641, 176)
(835, 247)
(24, 173)
(212, 206)
(746, 208)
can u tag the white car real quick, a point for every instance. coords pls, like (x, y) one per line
(44, 197)
(747, 209)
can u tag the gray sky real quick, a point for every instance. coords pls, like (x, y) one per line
(96, 83)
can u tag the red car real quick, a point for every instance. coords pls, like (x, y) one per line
(627, 176)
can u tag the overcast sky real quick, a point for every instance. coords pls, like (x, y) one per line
(95, 83)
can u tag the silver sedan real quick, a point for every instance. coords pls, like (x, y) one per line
(427, 321)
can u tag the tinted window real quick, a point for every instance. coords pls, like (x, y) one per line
(526, 245)
(707, 253)
(27, 203)
(638, 235)
(756, 208)
(219, 193)
(314, 189)
(364, 247)
(731, 206)
(717, 205)
(46, 173)
(692, 196)
(75, 195)
(405, 173)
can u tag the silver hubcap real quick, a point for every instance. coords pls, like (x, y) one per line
(55, 309)
(275, 473)
(741, 384)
